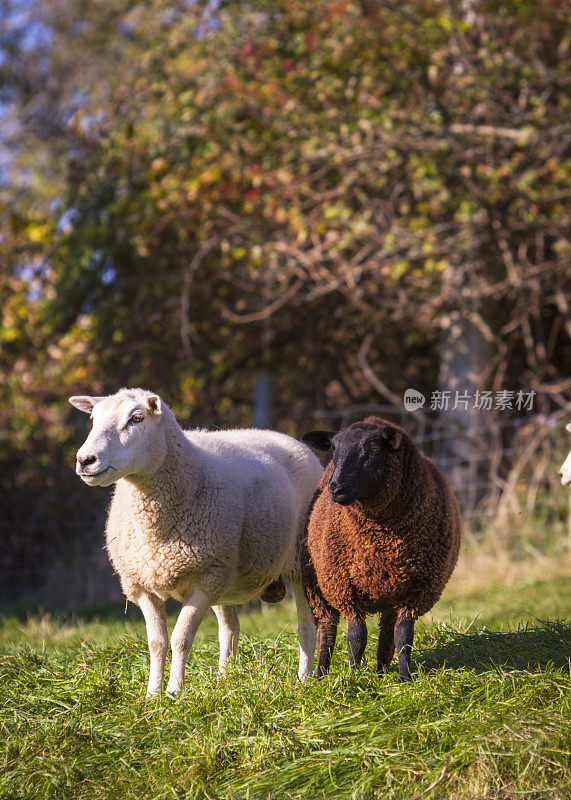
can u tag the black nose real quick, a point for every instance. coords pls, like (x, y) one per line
(86, 460)
(340, 494)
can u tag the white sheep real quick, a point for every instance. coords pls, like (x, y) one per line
(210, 518)
(565, 471)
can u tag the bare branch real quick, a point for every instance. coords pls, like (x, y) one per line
(185, 294)
(268, 310)
(524, 135)
(374, 379)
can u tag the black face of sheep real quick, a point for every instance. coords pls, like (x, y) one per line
(360, 457)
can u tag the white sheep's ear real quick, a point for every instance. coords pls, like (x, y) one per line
(154, 404)
(568, 427)
(393, 437)
(84, 402)
(319, 440)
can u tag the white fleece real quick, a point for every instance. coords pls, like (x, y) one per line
(223, 512)
(207, 517)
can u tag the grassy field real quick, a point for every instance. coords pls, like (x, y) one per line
(488, 715)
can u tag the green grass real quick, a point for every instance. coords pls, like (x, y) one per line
(488, 713)
(504, 607)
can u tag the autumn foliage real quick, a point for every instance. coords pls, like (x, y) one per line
(307, 189)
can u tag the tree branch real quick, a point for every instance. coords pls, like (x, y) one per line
(185, 294)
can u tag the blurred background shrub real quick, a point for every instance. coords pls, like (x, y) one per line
(345, 199)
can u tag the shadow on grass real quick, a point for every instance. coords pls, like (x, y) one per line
(527, 649)
(113, 612)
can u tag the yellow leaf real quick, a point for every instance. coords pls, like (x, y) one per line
(37, 233)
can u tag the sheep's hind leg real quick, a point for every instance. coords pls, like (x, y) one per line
(153, 609)
(190, 617)
(306, 633)
(386, 644)
(326, 635)
(356, 640)
(228, 633)
(404, 633)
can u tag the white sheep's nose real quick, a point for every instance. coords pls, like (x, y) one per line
(87, 464)
(85, 461)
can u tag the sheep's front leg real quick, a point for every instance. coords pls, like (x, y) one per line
(306, 633)
(356, 640)
(228, 633)
(190, 617)
(154, 612)
(404, 633)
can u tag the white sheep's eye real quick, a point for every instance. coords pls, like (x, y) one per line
(137, 417)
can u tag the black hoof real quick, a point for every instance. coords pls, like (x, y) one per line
(274, 592)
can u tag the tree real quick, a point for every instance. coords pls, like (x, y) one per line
(310, 189)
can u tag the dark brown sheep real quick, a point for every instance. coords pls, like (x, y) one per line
(383, 535)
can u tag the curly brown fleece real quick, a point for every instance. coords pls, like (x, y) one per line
(391, 553)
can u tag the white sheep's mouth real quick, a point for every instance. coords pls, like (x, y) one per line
(94, 478)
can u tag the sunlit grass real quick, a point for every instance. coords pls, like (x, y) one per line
(490, 709)
(488, 714)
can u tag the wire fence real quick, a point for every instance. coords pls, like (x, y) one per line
(495, 464)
